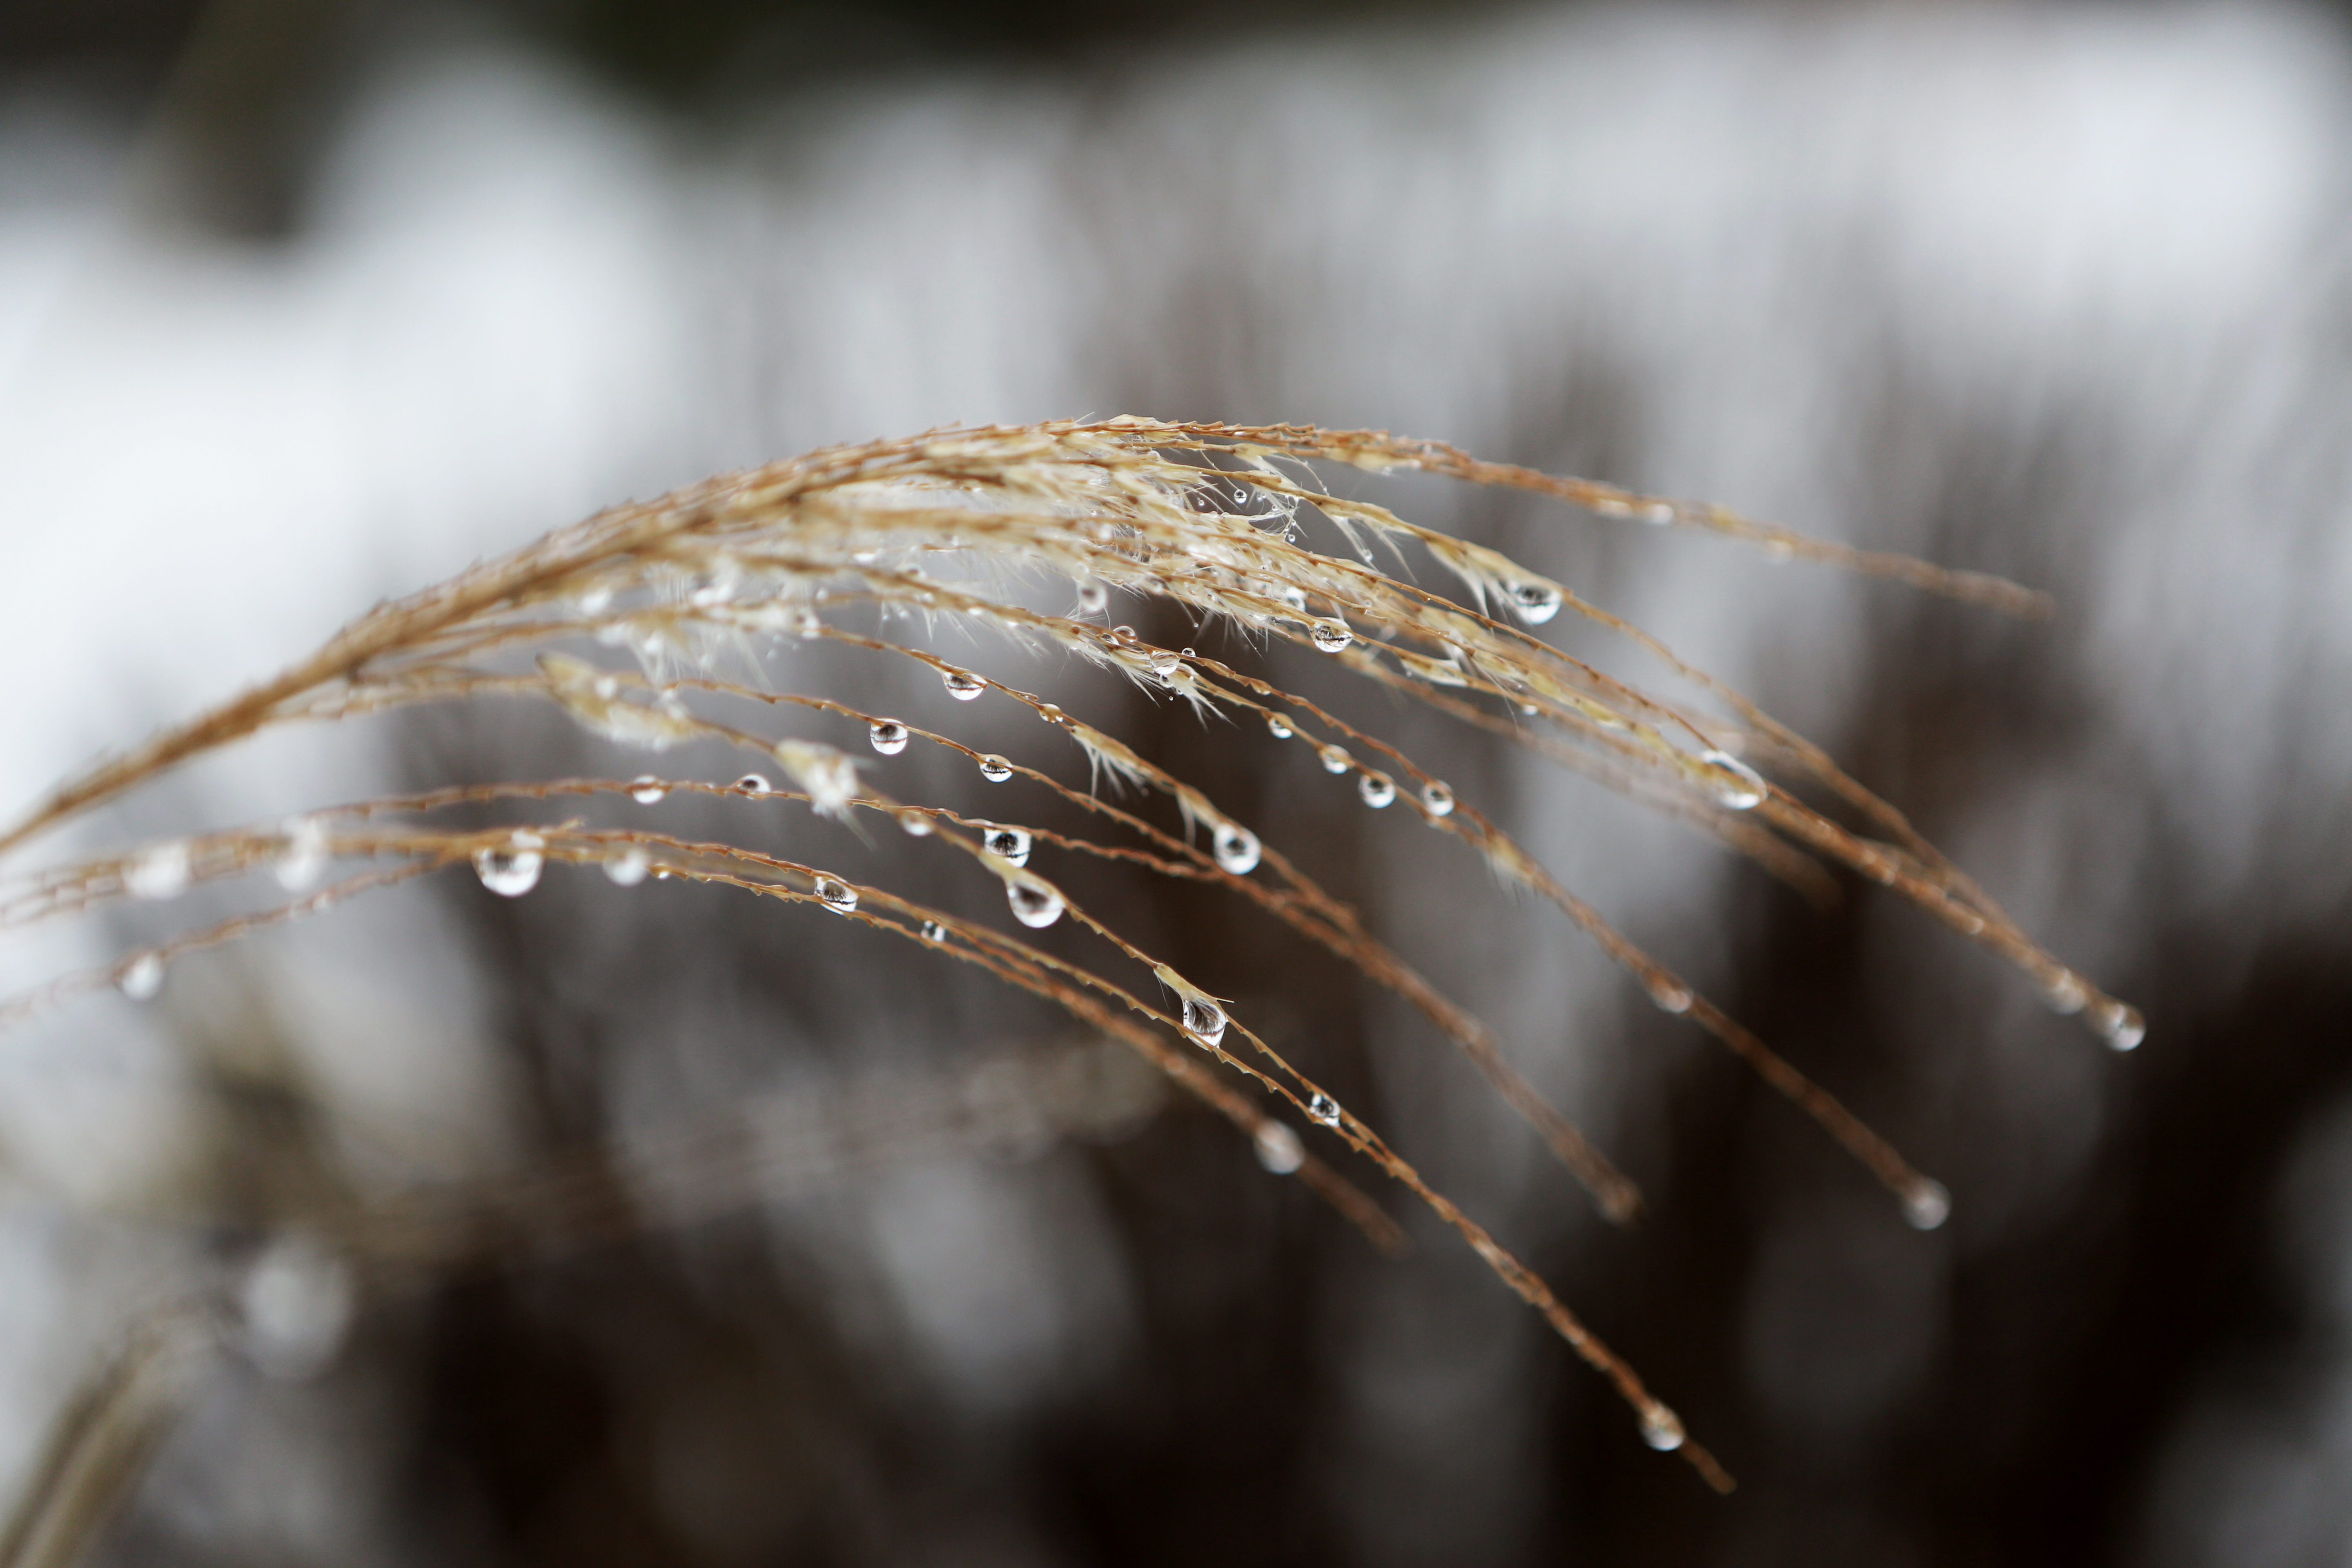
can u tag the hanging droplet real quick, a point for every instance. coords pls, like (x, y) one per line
(1330, 635)
(1204, 1020)
(889, 736)
(1436, 799)
(2121, 1025)
(934, 933)
(808, 626)
(1670, 995)
(1292, 595)
(1661, 1428)
(1534, 603)
(142, 977)
(625, 868)
(1658, 513)
(162, 872)
(1236, 847)
(839, 897)
(1335, 759)
(1165, 662)
(963, 684)
(1009, 843)
(1277, 727)
(1278, 1149)
(1036, 904)
(1093, 597)
(298, 866)
(1377, 790)
(645, 789)
(915, 824)
(1927, 1204)
(2066, 993)
(596, 601)
(1733, 783)
(754, 784)
(995, 768)
(1324, 1109)
(510, 869)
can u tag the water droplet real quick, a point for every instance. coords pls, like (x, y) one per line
(1035, 903)
(1164, 662)
(510, 869)
(626, 868)
(1204, 1020)
(1093, 597)
(1292, 596)
(807, 625)
(1437, 799)
(1658, 513)
(1661, 1428)
(1927, 1204)
(596, 601)
(2066, 993)
(305, 856)
(934, 933)
(1533, 602)
(1324, 1109)
(1335, 759)
(2121, 1026)
(142, 977)
(963, 684)
(1670, 995)
(1010, 843)
(995, 768)
(889, 736)
(162, 872)
(1277, 727)
(915, 824)
(645, 789)
(1377, 790)
(1733, 783)
(754, 784)
(1278, 1149)
(839, 897)
(1236, 847)
(1330, 635)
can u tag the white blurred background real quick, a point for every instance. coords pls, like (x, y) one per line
(307, 302)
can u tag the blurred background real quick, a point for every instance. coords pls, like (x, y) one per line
(602, 1227)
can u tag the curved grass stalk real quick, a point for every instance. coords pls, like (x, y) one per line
(633, 616)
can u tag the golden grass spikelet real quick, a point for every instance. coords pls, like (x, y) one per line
(633, 621)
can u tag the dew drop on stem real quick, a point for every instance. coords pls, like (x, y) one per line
(754, 784)
(2120, 1025)
(1035, 903)
(1235, 849)
(1093, 597)
(1437, 799)
(160, 873)
(1278, 1149)
(1330, 635)
(963, 684)
(1335, 759)
(304, 858)
(1007, 842)
(888, 736)
(1734, 784)
(645, 789)
(1661, 1428)
(995, 768)
(837, 896)
(1324, 1109)
(1377, 790)
(1927, 1204)
(1277, 727)
(1204, 1021)
(625, 868)
(914, 824)
(510, 869)
(142, 977)
(934, 933)
(1534, 603)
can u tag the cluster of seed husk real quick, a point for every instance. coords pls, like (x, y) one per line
(637, 621)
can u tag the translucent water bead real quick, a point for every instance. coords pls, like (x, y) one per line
(754, 784)
(142, 977)
(1204, 1020)
(963, 684)
(1377, 790)
(1661, 1428)
(2121, 1026)
(299, 865)
(1335, 759)
(1235, 849)
(995, 768)
(1324, 1109)
(1278, 1149)
(1436, 799)
(934, 933)
(1093, 597)
(626, 868)
(1533, 602)
(888, 736)
(839, 897)
(1733, 783)
(1330, 635)
(1926, 1204)
(510, 869)
(1277, 727)
(1035, 903)
(645, 789)
(160, 873)
(1009, 843)
(914, 824)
